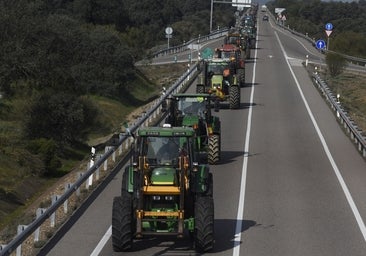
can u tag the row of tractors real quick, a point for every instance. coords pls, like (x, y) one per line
(223, 70)
(167, 189)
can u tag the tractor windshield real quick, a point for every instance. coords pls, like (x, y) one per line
(192, 106)
(164, 150)
(217, 67)
(233, 39)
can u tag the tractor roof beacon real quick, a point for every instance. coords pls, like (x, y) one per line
(164, 196)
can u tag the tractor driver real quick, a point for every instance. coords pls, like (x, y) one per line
(169, 151)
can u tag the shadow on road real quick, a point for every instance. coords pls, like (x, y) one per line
(170, 245)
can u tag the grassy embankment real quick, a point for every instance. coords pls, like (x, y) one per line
(18, 187)
(351, 86)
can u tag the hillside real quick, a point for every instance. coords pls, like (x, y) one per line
(68, 81)
(15, 197)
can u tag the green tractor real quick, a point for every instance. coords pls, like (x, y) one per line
(195, 110)
(218, 79)
(251, 32)
(165, 191)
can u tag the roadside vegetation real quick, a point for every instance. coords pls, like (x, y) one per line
(309, 17)
(68, 80)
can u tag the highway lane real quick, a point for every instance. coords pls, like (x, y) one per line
(292, 191)
(284, 184)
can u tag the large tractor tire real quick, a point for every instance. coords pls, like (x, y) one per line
(122, 221)
(241, 73)
(200, 88)
(214, 149)
(204, 224)
(234, 94)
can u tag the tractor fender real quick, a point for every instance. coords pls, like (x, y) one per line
(199, 181)
(128, 179)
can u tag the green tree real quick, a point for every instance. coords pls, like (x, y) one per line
(335, 63)
(61, 117)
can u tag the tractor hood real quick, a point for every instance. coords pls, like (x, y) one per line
(217, 80)
(190, 120)
(164, 176)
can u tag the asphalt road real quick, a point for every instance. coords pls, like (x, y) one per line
(290, 181)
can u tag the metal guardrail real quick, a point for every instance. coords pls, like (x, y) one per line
(351, 128)
(184, 47)
(25, 231)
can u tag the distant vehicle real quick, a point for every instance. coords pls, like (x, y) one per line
(265, 18)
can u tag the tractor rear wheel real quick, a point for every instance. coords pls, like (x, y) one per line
(204, 224)
(234, 93)
(214, 149)
(122, 223)
(241, 73)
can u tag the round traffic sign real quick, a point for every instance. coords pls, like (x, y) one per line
(320, 44)
(168, 30)
(328, 26)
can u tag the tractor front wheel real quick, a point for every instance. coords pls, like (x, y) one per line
(122, 223)
(204, 224)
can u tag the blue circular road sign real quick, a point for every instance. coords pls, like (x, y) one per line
(320, 44)
(329, 26)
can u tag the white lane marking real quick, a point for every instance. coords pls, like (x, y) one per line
(293, 37)
(102, 242)
(240, 214)
(348, 195)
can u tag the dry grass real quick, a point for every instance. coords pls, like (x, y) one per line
(352, 90)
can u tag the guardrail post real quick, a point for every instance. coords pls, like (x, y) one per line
(120, 146)
(114, 156)
(53, 216)
(106, 161)
(21, 228)
(39, 213)
(78, 176)
(67, 187)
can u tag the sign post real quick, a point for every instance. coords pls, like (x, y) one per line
(328, 31)
(168, 32)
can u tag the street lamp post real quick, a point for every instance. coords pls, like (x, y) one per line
(211, 15)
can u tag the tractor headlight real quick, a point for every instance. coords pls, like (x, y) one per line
(169, 198)
(156, 198)
(135, 166)
(195, 167)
